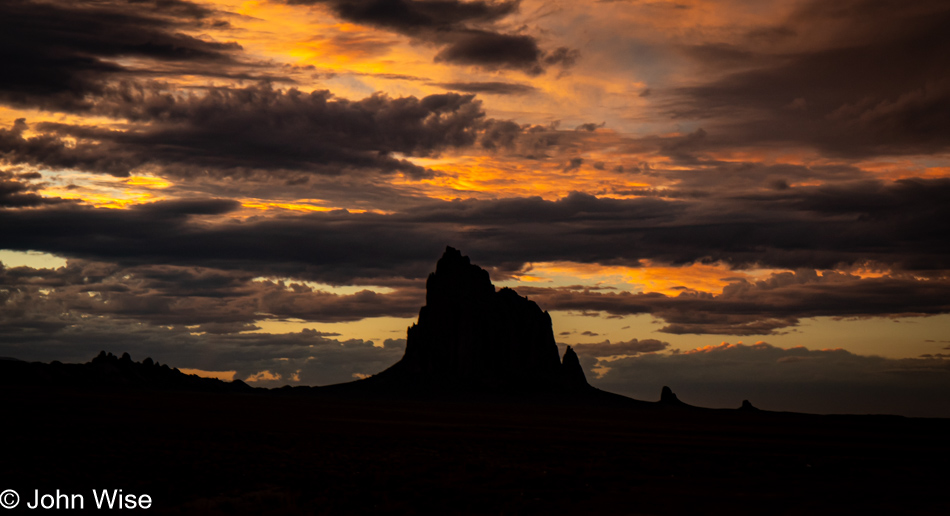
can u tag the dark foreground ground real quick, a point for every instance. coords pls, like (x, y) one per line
(200, 453)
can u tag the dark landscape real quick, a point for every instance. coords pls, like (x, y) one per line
(479, 417)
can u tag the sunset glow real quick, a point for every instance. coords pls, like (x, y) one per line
(688, 172)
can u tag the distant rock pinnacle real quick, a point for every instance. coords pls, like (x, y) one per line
(667, 396)
(747, 406)
(469, 335)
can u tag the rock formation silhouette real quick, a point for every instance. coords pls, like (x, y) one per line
(472, 337)
(748, 407)
(669, 398)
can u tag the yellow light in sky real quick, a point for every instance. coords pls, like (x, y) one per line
(668, 280)
(303, 205)
(33, 259)
(103, 200)
(148, 182)
(490, 177)
(292, 206)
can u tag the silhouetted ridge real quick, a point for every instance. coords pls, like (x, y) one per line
(470, 336)
(109, 371)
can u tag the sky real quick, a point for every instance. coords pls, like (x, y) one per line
(740, 200)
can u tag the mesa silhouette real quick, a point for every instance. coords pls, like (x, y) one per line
(472, 339)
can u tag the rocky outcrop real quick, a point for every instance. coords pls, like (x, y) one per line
(107, 371)
(668, 397)
(572, 374)
(748, 407)
(471, 336)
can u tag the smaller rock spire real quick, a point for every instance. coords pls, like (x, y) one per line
(572, 374)
(668, 396)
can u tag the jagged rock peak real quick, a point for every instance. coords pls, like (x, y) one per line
(747, 405)
(667, 396)
(105, 358)
(456, 280)
(470, 336)
(572, 374)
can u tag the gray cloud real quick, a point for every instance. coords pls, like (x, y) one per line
(898, 225)
(164, 295)
(17, 190)
(57, 53)
(763, 307)
(857, 78)
(630, 347)
(405, 246)
(229, 130)
(490, 88)
(465, 32)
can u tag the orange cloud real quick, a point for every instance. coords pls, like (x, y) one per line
(226, 376)
(262, 376)
(668, 280)
(148, 182)
(490, 177)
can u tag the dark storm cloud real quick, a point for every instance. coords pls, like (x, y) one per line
(465, 31)
(797, 379)
(856, 78)
(901, 225)
(490, 88)
(493, 50)
(411, 16)
(56, 53)
(335, 247)
(897, 224)
(233, 130)
(181, 207)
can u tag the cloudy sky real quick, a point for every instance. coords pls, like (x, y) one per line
(740, 200)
